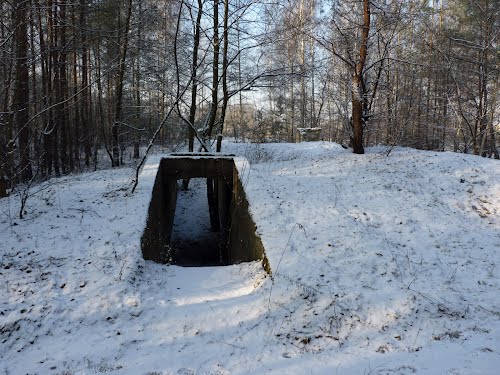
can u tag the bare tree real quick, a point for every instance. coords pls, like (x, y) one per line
(118, 119)
(22, 93)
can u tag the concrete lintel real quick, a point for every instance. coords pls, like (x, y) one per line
(186, 167)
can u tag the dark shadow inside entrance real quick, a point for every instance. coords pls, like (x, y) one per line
(193, 241)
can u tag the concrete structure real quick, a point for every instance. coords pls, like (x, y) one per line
(239, 240)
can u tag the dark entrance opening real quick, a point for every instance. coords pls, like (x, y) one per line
(179, 232)
(193, 241)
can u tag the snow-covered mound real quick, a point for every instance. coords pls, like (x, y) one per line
(381, 264)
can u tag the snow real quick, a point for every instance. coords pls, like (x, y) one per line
(381, 264)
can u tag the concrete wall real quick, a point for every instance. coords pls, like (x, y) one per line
(244, 242)
(156, 236)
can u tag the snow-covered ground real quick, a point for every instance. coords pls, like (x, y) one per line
(381, 265)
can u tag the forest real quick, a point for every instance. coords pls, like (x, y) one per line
(83, 82)
(248, 187)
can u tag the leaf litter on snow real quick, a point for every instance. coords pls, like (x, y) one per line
(381, 264)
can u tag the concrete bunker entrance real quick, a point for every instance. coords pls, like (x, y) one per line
(179, 231)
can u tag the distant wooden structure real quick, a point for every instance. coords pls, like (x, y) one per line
(308, 134)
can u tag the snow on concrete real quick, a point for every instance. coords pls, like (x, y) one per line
(380, 265)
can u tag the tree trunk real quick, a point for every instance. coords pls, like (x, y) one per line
(194, 85)
(61, 91)
(225, 65)
(215, 73)
(211, 183)
(357, 116)
(119, 88)
(77, 124)
(303, 95)
(100, 106)
(358, 94)
(137, 80)
(86, 90)
(194, 74)
(6, 81)
(22, 91)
